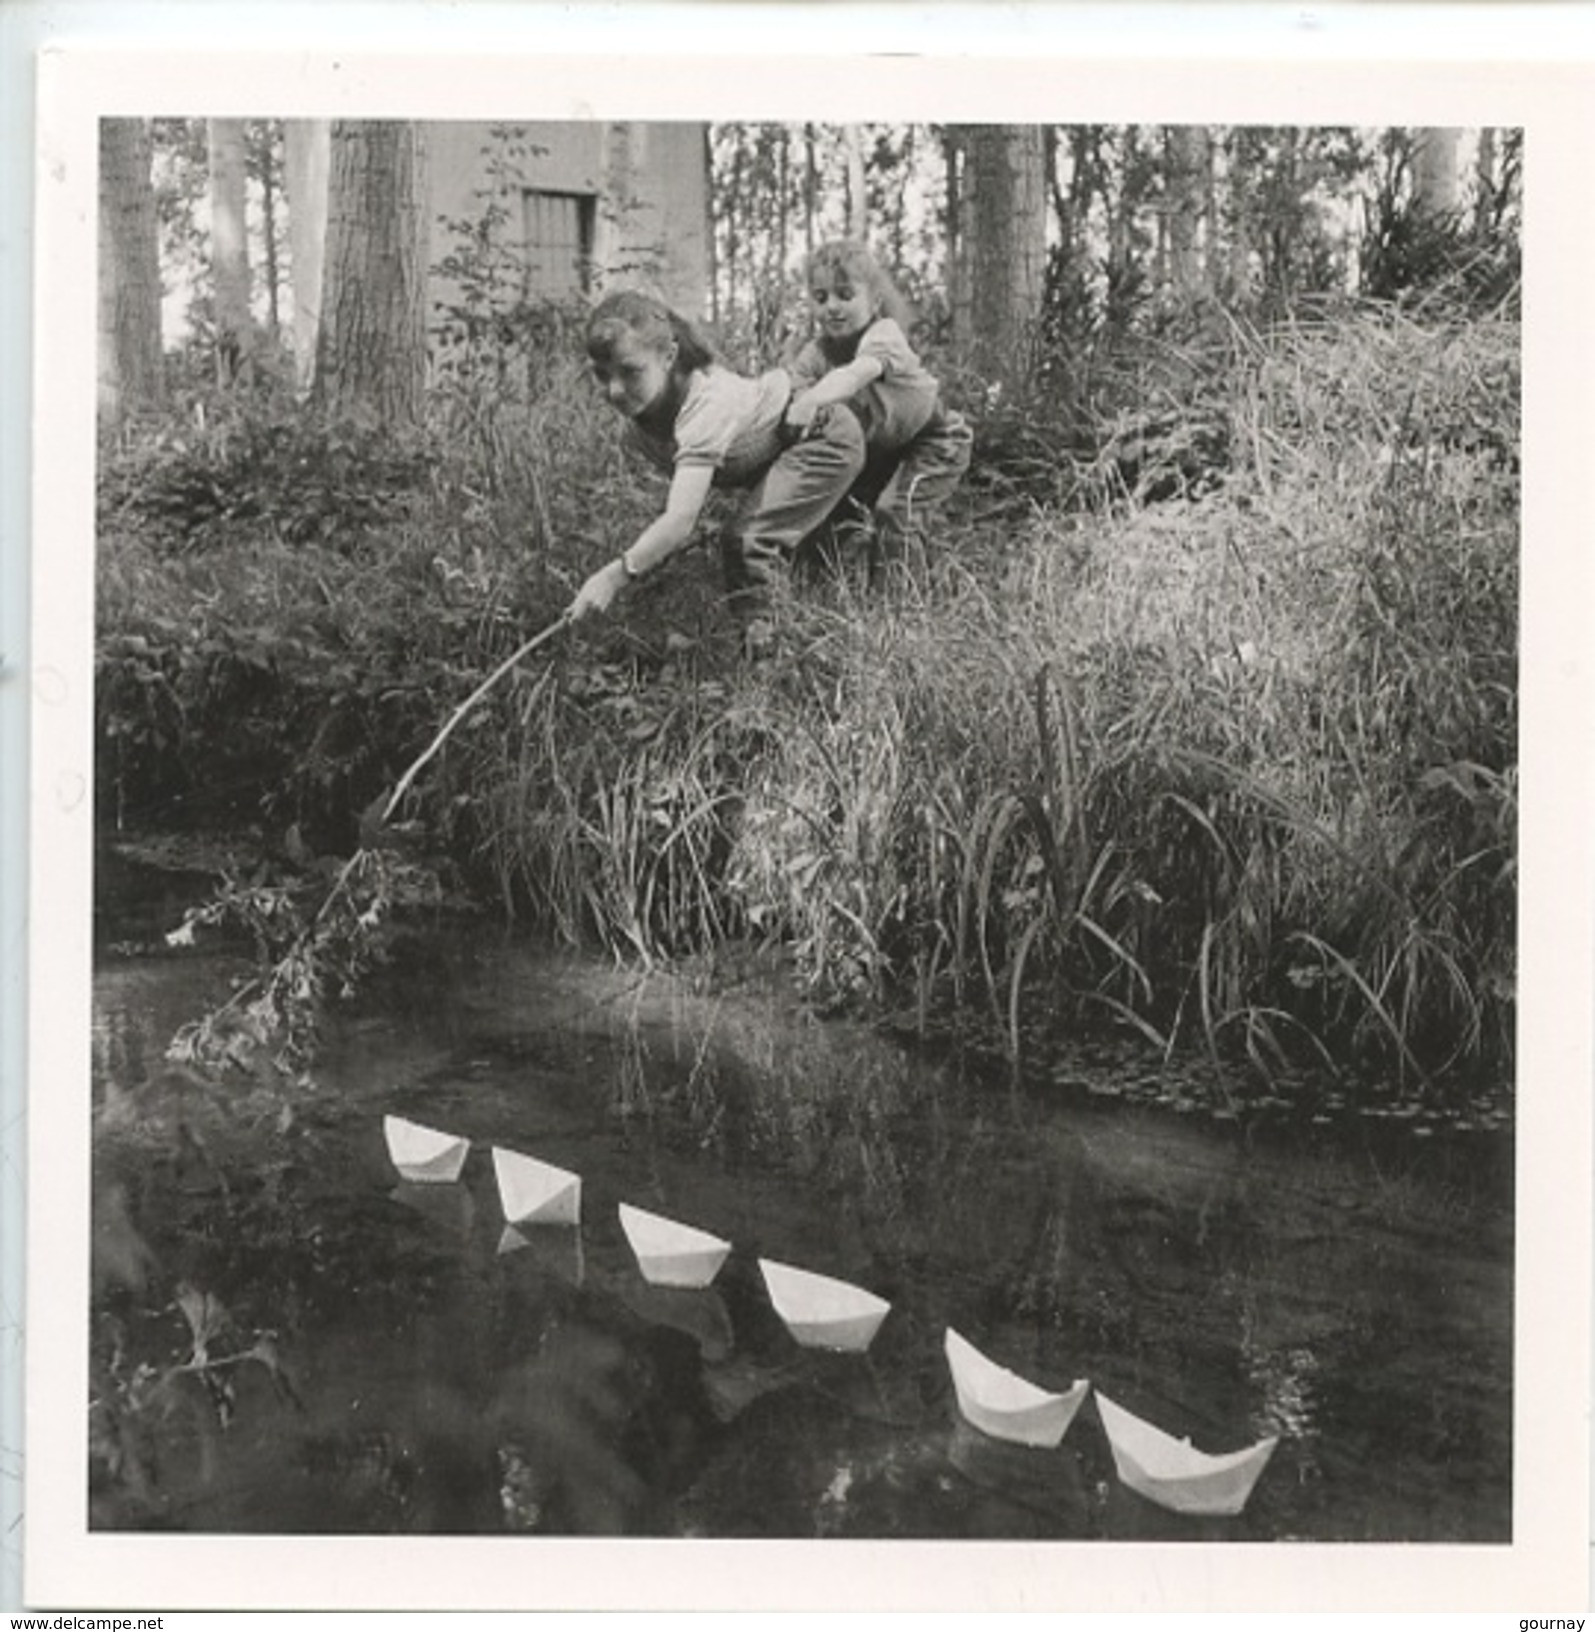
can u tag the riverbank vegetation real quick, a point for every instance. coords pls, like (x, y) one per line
(1197, 719)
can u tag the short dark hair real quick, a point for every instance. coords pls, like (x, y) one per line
(634, 311)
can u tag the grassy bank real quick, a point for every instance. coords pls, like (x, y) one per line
(1237, 772)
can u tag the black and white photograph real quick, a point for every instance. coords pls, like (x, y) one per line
(807, 830)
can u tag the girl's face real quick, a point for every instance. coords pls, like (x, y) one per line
(636, 373)
(843, 306)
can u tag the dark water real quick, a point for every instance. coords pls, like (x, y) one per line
(285, 1338)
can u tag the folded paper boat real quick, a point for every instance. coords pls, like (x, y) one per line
(672, 1254)
(1000, 1403)
(822, 1313)
(535, 1192)
(1172, 1473)
(423, 1154)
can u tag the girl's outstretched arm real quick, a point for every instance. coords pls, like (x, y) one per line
(655, 544)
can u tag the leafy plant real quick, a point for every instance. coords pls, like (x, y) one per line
(306, 961)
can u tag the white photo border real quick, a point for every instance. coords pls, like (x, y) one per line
(1545, 1564)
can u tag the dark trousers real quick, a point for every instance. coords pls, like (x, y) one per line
(792, 500)
(917, 480)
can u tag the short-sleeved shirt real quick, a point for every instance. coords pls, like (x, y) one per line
(726, 421)
(893, 409)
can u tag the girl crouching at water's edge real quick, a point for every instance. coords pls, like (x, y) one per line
(707, 426)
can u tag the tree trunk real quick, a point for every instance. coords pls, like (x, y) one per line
(306, 157)
(811, 189)
(783, 209)
(729, 215)
(957, 231)
(1210, 211)
(1120, 210)
(710, 235)
(1484, 184)
(1185, 178)
(371, 358)
(130, 376)
(268, 216)
(229, 246)
(857, 202)
(1240, 179)
(1434, 172)
(1006, 249)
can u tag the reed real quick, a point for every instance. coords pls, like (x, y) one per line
(1236, 774)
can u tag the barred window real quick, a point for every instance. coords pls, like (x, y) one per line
(557, 231)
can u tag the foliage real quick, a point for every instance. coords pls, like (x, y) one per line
(1200, 722)
(1240, 772)
(308, 959)
(262, 470)
(181, 180)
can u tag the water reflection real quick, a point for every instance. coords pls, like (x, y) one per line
(451, 1372)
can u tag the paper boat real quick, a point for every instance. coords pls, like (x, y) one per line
(535, 1192)
(672, 1254)
(822, 1313)
(1004, 1405)
(1172, 1473)
(423, 1154)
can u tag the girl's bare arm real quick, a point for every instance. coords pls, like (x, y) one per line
(837, 386)
(656, 543)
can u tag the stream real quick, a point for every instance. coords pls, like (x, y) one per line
(286, 1337)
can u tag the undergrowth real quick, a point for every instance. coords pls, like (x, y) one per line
(1227, 760)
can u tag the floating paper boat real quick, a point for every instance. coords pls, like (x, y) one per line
(424, 1154)
(1004, 1405)
(1172, 1473)
(822, 1313)
(672, 1254)
(535, 1192)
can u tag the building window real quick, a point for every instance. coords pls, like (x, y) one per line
(557, 232)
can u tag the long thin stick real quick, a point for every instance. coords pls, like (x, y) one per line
(466, 707)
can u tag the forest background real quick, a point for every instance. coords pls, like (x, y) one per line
(1197, 721)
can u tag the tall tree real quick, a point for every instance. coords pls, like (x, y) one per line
(1434, 172)
(229, 245)
(1187, 158)
(130, 377)
(1005, 192)
(264, 134)
(1240, 158)
(956, 195)
(710, 240)
(811, 188)
(857, 199)
(307, 149)
(371, 354)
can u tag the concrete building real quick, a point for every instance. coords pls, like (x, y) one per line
(514, 211)
(574, 207)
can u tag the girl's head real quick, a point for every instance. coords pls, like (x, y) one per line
(849, 290)
(640, 349)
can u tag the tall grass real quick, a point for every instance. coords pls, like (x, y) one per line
(1238, 774)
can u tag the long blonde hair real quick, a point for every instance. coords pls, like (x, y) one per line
(850, 256)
